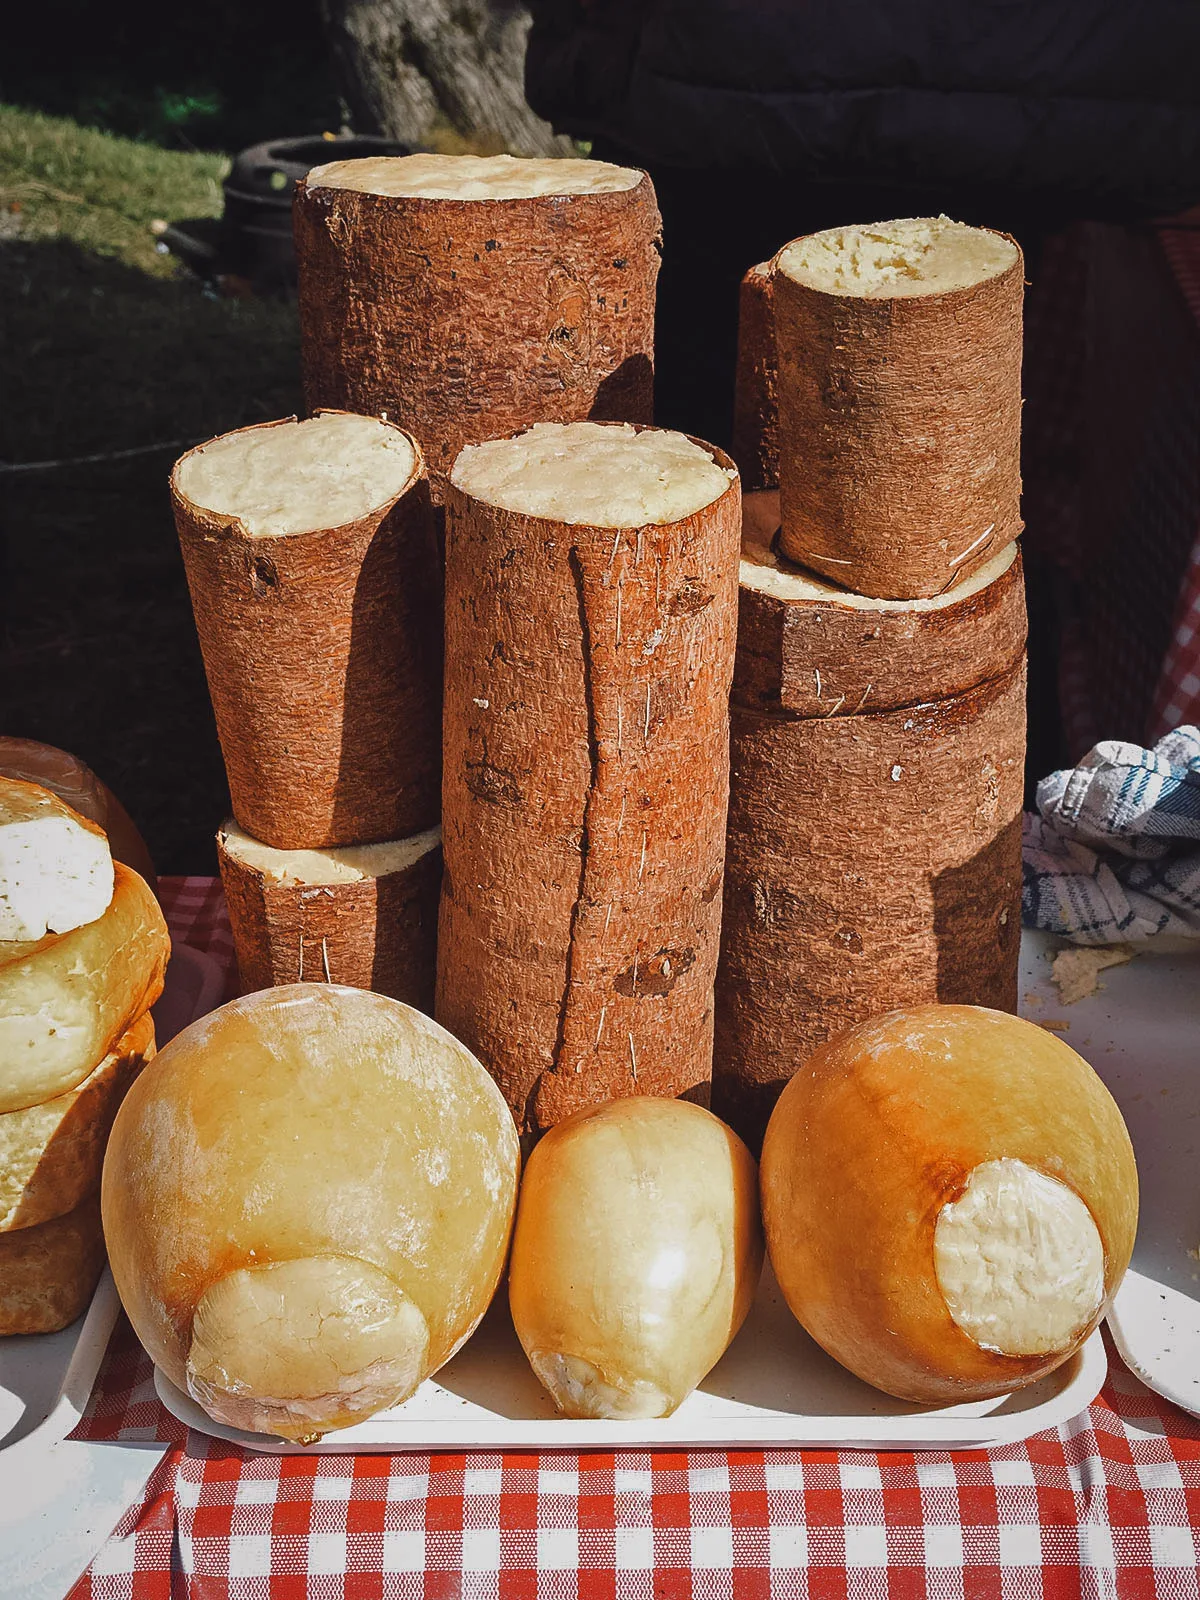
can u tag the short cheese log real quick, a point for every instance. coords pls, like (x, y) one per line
(51, 1154)
(755, 399)
(74, 781)
(950, 1201)
(312, 562)
(636, 1254)
(466, 297)
(364, 916)
(48, 1273)
(874, 843)
(66, 999)
(589, 648)
(899, 392)
(56, 870)
(308, 1204)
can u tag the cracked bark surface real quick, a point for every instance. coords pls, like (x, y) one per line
(584, 798)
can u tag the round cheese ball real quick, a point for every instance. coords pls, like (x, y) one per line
(307, 1201)
(950, 1201)
(636, 1255)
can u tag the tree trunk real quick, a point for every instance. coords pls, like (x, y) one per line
(410, 69)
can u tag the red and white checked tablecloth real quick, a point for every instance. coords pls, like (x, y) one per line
(1108, 1506)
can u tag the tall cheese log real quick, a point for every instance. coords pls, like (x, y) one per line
(589, 648)
(465, 297)
(874, 848)
(899, 389)
(312, 561)
(363, 916)
(755, 397)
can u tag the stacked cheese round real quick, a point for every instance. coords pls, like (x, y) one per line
(83, 948)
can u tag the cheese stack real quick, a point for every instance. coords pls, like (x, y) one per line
(315, 580)
(83, 950)
(878, 716)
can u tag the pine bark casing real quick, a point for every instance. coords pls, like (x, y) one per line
(466, 320)
(755, 397)
(584, 799)
(323, 657)
(873, 858)
(374, 933)
(899, 432)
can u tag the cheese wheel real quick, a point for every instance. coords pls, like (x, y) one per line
(636, 1255)
(51, 1154)
(74, 781)
(950, 1201)
(308, 1202)
(66, 999)
(49, 1272)
(56, 870)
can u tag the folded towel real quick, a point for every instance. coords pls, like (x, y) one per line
(1114, 855)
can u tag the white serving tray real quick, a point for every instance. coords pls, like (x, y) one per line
(1141, 1032)
(773, 1388)
(45, 1379)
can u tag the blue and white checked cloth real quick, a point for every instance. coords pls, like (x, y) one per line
(1114, 855)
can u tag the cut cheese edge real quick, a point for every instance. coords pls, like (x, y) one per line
(603, 475)
(56, 870)
(466, 177)
(346, 864)
(909, 257)
(1019, 1260)
(299, 477)
(762, 570)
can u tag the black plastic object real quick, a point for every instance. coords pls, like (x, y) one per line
(256, 230)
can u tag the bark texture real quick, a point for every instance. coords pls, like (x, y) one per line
(822, 658)
(466, 320)
(899, 432)
(585, 791)
(755, 397)
(406, 66)
(873, 859)
(376, 933)
(323, 657)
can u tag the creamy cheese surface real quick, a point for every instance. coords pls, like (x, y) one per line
(884, 260)
(761, 570)
(606, 475)
(347, 864)
(440, 177)
(1019, 1260)
(298, 477)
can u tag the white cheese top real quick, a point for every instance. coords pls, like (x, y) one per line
(893, 260)
(438, 177)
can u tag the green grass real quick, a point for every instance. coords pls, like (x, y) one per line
(106, 345)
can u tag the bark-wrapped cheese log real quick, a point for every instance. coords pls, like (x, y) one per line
(899, 389)
(591, 594)
(465, 297)
(312, 561)
(755, 396)
(364, 916)
(51, 1154)
(874, 848)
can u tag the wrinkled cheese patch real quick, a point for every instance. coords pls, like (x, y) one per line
(607, 475)
(761, 570)
(297, 477)
(346, 864)
(55, 874)
(578, 1389)
(439, 177)
(1019, 1260)
(885, 260)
